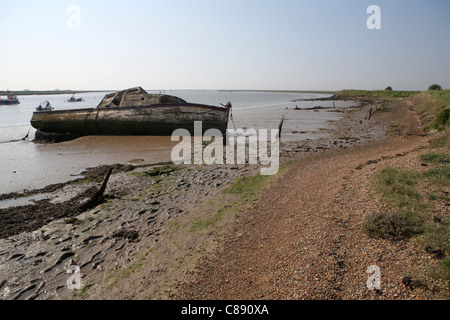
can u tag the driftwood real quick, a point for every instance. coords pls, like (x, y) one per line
(97, 198)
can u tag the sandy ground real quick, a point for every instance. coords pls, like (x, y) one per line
(177, 235)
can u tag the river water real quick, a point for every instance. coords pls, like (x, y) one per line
(28, 165)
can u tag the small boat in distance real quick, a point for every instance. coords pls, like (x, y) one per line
(73, 99)
(129, 112)
(10, 99)
(44, 106)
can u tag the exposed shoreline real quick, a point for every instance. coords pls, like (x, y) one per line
(153, 228)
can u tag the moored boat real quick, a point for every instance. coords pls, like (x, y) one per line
(10, 99)
(131, 112)
(73, 99)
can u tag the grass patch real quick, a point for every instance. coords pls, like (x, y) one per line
(440, 175)
(430, 105)
(395, 128)
(247, 187)
(245, 190)
(125, 273)
(393, 226)
(398, 188)
(73, 221)
(84, 291)
(410, 216)
(206, 223)
(156, 172)
(434, 158)
(441, 120)
(378, 94)
(405, 219)
(436, 236)
(384, 109)
(433, 107)
(440, 142)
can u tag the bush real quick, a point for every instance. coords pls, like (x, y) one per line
(393, 226)
(388, 88)
(441, 120)
(434, 87)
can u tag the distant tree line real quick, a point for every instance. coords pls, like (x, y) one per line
(432, 87)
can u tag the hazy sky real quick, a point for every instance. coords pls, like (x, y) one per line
(226, 44)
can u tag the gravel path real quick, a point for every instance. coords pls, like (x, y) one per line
(303, 239)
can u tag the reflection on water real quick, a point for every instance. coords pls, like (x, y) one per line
(26, 165)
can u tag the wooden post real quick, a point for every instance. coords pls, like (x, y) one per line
(103, 186)
(280, 126)
(97, 198)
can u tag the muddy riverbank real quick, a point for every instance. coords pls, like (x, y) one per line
(151, 228)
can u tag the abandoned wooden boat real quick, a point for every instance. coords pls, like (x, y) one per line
(10, 99)
(129, 112)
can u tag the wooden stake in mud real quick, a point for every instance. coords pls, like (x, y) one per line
(280, 126)
(100, 191)
(97, 198)
(370, 113)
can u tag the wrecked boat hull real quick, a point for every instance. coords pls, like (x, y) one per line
(159, 120)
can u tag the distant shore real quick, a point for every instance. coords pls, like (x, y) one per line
(337, 94)
(47, 92)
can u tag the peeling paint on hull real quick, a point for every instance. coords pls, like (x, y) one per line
(160, 119)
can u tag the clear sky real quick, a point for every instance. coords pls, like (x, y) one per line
(226, 44)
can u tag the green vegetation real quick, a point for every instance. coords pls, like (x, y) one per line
(245, 190)
(434, 158)
(439, 142)
(440, 175)
(247, 187)
(73, 221)
(395, 128)
(430, 106)
(394, 225)
(156, 172)
(441, 120)
(203, 224)
(384, 109)
(398, 189)
(433, 106)
(411, 214)
(434, 87)
(375, 94)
